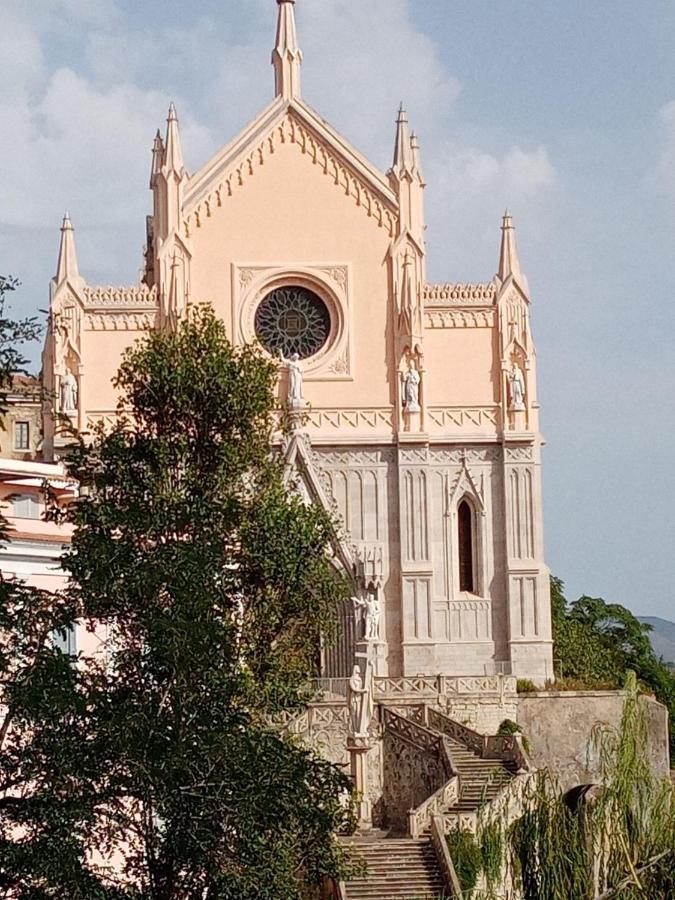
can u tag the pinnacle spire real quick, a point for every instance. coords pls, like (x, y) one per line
(287, 56)
(416, 155)
(67, 267)
(157, 158)
(173, 154)
(403, 152)
(509, 263)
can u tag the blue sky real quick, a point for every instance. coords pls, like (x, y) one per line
(564, 111)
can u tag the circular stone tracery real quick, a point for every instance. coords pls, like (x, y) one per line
(292, 320)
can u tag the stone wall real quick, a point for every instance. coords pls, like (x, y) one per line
(479, 702)
(559, 726)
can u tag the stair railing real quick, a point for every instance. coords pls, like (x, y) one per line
(458, 732)
(511, 748)
(440, 845)
(420, 819)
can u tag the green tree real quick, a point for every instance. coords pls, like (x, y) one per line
(36, 679)
(215, 581)
(597, 643)
(13, 334)
(614, 841)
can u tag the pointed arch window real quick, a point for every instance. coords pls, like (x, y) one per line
(465, 528)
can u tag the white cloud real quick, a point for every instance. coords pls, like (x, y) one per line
(85, 85)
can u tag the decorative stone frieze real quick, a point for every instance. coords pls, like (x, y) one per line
(119, 321)
(355, 457)
(460, 294)
(96, 296)
(464, 418)
(441, 455)
(459, 319)
(519, 454)
(351, 419)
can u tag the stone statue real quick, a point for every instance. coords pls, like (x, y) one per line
(295, 397)
(411, 388)
(517, 387)
(372, 609)
(68, 393)
(360, 698)
(356, 695)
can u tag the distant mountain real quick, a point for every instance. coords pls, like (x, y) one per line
(662, 637)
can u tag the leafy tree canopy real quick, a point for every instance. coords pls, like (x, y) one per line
(13, 334)
(597, 643)
(213, 584)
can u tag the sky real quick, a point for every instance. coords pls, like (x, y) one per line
(562, 110)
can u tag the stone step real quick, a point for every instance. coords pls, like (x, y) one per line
(396, 867)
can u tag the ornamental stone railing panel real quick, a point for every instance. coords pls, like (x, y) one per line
(453, 887)
(415, 765)
(458, 732)
(510, 748)
(420, 818)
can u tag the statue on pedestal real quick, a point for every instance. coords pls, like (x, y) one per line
(68, 393)
(372, 609)
(411, 388)
(517, 382)
(360, 699)
(295, 397)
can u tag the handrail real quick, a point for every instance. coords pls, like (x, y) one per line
(444, 858)
(418, 735)
(510, 747)
(467, 736)
(420, 818)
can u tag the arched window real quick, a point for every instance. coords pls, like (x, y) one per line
(465, 534)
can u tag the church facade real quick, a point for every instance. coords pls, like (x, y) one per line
(413, 405)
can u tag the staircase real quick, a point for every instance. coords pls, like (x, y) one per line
(480, 779)
(395, 867)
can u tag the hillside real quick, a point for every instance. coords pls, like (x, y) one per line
(662, 637)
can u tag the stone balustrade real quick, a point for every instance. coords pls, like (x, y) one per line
(420, 818)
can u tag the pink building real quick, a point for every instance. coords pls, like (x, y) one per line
(420, 420)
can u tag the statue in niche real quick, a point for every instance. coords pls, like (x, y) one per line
(68, 396)
(411, 388)
(295, 397)
(371, 610)
(517, 382)
(360, 698)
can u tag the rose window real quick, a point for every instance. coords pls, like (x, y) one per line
(292, 320)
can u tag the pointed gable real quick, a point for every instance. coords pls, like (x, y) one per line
(289, 123)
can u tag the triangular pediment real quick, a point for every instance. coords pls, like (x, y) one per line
(302, 473)
(465, 485)
(288, 122)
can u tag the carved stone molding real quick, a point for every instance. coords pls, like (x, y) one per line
(464, 417)
(460, 294)
(119, 321)
(381, 418)
(413, 455)
(110, 295)
(108, 418)
(293, 131)
(349, 458)
(519, 454)
(440, 455)
(459, 318)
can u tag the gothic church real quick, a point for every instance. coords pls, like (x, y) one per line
(414, 405)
